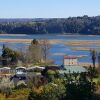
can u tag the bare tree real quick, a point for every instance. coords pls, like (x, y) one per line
(37, 52)
(45, 46)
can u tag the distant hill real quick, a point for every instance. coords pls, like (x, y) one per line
(75, 25)
(21, 20)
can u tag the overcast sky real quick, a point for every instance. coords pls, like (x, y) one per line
(48, 8)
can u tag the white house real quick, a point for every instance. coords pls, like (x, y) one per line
(71, 65)
(70, 60)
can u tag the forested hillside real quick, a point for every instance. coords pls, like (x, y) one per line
(75, 25)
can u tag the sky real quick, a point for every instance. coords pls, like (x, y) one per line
(48, 8)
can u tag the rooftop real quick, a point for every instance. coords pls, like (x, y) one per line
(73, 69)
(70, 57)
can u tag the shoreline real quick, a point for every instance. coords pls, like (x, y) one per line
(56, 34)
(13, 34)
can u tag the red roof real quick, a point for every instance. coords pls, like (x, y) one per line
(70, 57)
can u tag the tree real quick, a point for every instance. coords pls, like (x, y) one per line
(35, 52)
(9, 56)
(80, 24)
(34, 42)
(98, 69)
(99, 60)
(79, 88)
(45, 46)
(50, 91)
(93, 57)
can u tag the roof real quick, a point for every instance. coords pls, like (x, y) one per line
(20, 68)
(8, 68)
(34, 67)
(39, 67)
(70, 57)
(73, 69)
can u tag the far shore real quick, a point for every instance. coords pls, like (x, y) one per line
(57, 34)
(14, 34)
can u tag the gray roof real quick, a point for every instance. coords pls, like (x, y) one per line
(72, 69)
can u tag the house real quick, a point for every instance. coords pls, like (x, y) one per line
(5, 72)
(20, 71)
(71, 65)
(70, 60)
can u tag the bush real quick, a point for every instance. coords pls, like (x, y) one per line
(21, 94)
(51, 91)
(21, 85)
(2, 97)
(6, 86)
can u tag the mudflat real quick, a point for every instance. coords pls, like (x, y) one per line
(57, 41)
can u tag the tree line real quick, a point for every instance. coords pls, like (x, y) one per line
(75, 25)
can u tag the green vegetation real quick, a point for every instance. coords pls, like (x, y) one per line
(70, 87)
(75, 25)
(9, 56)
(51, 91)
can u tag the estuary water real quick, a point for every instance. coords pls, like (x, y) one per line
(46, 36)
(57, 51)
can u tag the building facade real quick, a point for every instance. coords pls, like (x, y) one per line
(70, 60)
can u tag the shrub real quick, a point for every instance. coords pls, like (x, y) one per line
(2, 97)
(21, 94)
(21, 85)
(6, 86)
(51, 91)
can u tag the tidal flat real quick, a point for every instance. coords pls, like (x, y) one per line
(83, 43)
